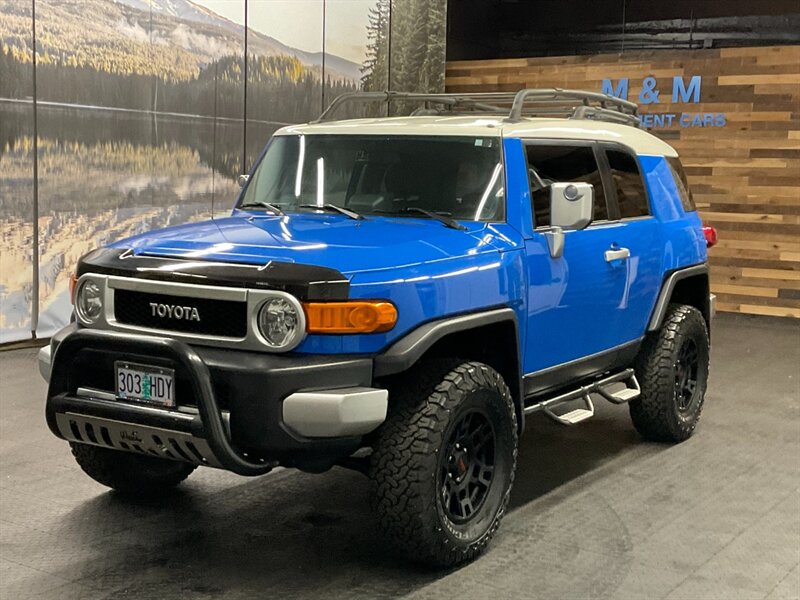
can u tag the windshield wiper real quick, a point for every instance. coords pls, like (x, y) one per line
(444, 219)
(260, 203)
(332, 207)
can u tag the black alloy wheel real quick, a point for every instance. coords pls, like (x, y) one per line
(443, 463)
(672, 369)
(686, 368)
(467, 467)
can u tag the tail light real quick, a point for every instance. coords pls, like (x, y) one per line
(710, 234)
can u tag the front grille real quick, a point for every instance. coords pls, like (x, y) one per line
(225, 318)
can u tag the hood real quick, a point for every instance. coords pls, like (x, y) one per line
(333, 241)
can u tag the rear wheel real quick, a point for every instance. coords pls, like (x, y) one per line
(444, 462)
(128, 473)
(672, 369)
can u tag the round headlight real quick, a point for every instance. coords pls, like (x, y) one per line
(89, 302)
(279, 322)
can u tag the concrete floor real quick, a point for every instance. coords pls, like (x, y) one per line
(596, 512)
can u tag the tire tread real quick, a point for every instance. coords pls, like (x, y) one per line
(651, 412)
(127, 473)
(401, 462)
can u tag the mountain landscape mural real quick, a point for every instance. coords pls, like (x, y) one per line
(262, 44)
(141, 115)
(168, 56)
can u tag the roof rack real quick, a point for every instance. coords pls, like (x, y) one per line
(515, 106)
(593, 105)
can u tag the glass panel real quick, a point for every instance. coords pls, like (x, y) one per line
(628, 182)
(383, 175)
(284, 77)
(695, 25)
(491, 30)
(418, 31)
(16, 170)
(495, 30)
(356, 52)
(132, 144)
(561, 163)
(218, 95)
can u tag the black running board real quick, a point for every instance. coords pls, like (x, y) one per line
(605, 387)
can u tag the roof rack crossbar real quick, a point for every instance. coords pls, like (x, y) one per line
(606, 102)
(593, 113)
(532, 102)
(480, 102)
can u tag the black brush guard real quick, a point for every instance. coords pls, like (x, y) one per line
(207, 424)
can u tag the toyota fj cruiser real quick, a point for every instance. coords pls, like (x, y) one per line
(396, 295)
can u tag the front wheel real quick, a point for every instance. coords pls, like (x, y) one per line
(672, 369)
(130, 474)
(443, 465)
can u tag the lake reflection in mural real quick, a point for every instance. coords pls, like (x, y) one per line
(103, 176)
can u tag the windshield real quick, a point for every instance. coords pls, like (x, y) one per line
(460, 177)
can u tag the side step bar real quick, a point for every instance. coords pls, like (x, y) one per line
(606, 387)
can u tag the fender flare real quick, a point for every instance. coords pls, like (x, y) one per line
(667, 287)
(406, 351)
(403, 353)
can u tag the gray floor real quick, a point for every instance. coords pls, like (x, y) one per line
(597, 512)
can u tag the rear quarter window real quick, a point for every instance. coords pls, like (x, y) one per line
(681, 183)
(628, 183)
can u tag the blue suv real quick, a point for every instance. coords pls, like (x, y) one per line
(396, 295)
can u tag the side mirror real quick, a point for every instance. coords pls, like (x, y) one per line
(243, 180)
(571, 208)
(571, 205)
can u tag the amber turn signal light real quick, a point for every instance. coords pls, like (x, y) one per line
(350, 317)
(73, 283)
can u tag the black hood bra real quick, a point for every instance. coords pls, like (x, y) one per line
(306, 282)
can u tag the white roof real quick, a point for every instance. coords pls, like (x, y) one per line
(638, 140)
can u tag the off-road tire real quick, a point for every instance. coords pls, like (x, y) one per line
(435, 402)
(130, 474)
(656, 413)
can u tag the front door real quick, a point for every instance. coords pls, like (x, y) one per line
(579, 303)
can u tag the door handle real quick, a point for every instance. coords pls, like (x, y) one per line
(618, 254)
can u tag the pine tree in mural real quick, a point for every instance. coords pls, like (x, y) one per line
(433, 64)
(417, 46)
(375, 71)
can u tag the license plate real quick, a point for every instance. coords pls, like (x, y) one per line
(143, 383)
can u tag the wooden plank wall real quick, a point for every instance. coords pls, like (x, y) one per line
(745, 175)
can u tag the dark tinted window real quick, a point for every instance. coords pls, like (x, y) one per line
(382, 175)
(627, 179)
(554, 164)
(682, 184)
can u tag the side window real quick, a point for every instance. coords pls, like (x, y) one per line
(681, 183)
(557, 163)
(628, 182)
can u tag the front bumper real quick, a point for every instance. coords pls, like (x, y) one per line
(242, 411)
